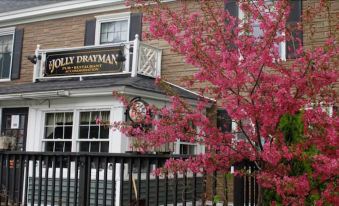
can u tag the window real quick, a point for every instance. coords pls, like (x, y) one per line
(6, 51)
(93, 137)
(58, 132)
(287, 49)
(186, 147)
(112, 28)
(257, 32)
(224, 121)
(113, 32)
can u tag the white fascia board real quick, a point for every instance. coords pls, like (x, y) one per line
(187, 90)
(59, 10)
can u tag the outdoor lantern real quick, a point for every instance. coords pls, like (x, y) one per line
(121, 57)
(34, 58)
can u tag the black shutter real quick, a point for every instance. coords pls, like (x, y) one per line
(232, 7)
(224, 121)
(90, 32)
(292, 22)
(17, 50)
(135, 26)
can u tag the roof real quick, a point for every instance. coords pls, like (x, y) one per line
(140, 82)
(13, 5)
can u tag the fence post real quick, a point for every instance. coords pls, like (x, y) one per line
(238, 186)
(83, 186)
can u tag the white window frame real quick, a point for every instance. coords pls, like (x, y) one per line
(44, 141)
(111, 18)
(75, 127)
(77, 124)
(282, 45)
(5, 32)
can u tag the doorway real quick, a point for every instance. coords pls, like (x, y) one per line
(14, 126)
(14, 130)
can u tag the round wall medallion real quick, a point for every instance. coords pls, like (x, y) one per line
(137, 110)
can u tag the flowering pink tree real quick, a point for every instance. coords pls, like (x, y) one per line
(280, 107)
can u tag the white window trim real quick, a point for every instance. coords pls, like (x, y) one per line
(110, 18)
(43, 125)
(77, 125)
(3, 32)
(75, 130)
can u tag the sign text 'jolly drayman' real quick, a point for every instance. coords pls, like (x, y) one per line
(85, 61)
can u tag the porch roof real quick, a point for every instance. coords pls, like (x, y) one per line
(139, 82)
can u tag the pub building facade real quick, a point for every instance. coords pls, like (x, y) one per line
(60, 61)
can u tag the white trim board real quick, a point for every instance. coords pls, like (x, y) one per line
(59, 10)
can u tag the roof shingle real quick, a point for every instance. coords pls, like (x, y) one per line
(139, 82)
(12, 5)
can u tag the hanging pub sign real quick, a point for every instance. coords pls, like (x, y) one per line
(137, 110)
(83, 61)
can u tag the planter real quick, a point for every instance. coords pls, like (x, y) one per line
(6, 142)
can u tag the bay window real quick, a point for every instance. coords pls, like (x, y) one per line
(78, 130)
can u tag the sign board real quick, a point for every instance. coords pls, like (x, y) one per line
(83, 61)
(15, 121)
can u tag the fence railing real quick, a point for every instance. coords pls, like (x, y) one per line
(42, 178)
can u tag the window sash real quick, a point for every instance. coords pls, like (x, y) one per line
(6, 54)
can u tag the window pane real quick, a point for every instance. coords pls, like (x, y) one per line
(69, 118)
(68, 147)
(68, 133)
(84, 118)
(49, 146)
(114, 32)
(103, 38)
(104, 147)
(59, 147)
(59, 119)
(110, 37)
(94, 146)
(50, 119)
(84, 146)
(83, 132)
(94, 132)
(104, 132)
(104, 116)
(94, 117)
(49, 132)
(58, 133)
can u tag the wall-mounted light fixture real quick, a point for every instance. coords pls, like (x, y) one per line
(34, 58)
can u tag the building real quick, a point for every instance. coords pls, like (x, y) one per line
(61, 60)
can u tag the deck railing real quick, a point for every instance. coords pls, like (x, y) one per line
(42, 178)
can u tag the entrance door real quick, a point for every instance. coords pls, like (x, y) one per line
(14, 125)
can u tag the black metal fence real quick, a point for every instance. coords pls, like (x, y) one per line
(40, 178)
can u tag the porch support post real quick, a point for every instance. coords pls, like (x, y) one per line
(135, 56)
